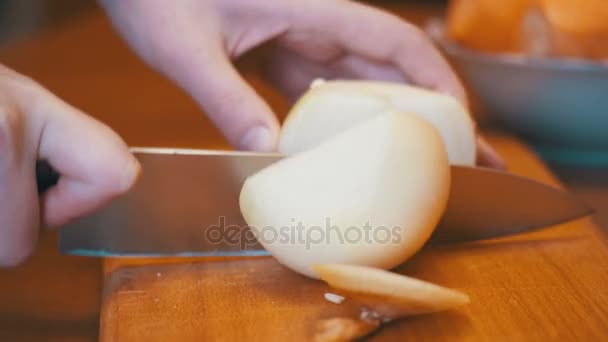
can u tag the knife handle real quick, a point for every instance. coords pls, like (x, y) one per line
(46, 176)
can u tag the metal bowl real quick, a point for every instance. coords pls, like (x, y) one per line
(559, 105)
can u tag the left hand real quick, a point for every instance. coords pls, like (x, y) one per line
(194, 42)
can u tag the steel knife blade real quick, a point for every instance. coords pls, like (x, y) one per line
(186, 204)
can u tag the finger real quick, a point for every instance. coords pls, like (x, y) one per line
(208, 75)
(234, 106)
(364, 68)
(487, 156)
(94, 164)
(385, 38)
(193, 53)
(293, 73)
(19, 207)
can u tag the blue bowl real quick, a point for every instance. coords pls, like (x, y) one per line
(559, 105)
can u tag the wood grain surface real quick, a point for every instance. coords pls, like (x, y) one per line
(544, 285)
(549, 285)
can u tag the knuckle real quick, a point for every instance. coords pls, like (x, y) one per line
(228, 100)
(19, 95)
(227, 106)
(421, 40)
(12, 128)
(14, 83)
(411, 37)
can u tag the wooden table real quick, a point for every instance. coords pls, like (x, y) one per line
(545, 285)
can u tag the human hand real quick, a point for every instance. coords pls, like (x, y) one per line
(194, 43)
(93, 163)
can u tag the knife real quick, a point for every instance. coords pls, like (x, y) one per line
(186, 204)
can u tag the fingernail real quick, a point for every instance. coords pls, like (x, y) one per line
(258, 138)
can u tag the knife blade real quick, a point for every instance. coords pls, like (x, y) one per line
(186, 204)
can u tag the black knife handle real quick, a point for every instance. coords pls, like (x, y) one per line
(46, 176)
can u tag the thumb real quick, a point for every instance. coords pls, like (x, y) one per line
(186, 44)
(231, 103)
(93, 163)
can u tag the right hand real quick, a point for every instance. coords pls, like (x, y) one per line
(93, 163)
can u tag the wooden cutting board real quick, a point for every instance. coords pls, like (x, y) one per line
(545, 285)
(550, 284)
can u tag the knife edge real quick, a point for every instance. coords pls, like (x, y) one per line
(144, 222)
